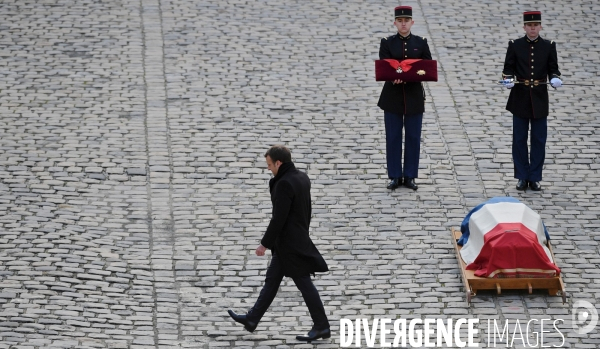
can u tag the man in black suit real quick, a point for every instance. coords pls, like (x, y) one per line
(294, 254)
(530, 62)
(403, 103)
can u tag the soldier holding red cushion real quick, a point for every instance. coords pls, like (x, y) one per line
(403, 103)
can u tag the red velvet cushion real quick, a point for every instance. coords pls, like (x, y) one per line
(409, 70)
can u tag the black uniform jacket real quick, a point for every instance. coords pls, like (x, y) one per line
(287, 233)
(532, 61)
(405, 98)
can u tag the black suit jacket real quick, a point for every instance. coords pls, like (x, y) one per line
(528, 60)
(409, 97)
(287, 233)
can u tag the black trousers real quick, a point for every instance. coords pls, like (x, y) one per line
(305, 286)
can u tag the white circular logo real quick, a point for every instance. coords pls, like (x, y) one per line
(582, 312)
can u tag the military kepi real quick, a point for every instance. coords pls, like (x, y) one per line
(403, 12)
(532, 16)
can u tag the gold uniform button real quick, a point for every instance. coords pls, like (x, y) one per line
(531, 73)
(532, 60)
(531, 67)
(532, 53)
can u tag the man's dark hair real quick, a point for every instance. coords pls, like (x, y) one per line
(279, 153)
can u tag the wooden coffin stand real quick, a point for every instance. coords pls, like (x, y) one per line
(554, 285)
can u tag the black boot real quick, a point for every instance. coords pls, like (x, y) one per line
(395, 183)
(535, 186)
(410, 183)
(522, 185)
(250, 326)
(314, 335)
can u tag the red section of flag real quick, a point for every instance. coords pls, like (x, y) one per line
(512, 250)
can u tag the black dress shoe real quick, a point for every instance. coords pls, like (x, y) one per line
(410, 183)
(314, 335)
(522, 184)
(535, 186)
(250, 326)
(394, 183)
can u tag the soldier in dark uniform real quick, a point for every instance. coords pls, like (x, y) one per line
(403, 103)
(530, 61)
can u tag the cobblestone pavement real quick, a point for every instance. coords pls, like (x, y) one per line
(133, 189)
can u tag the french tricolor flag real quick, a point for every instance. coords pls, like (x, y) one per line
(504, 238)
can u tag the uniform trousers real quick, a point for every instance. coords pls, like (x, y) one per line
(305, 286)
(529, 165)
(394, 123)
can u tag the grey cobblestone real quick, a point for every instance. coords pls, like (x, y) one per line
(132, 182)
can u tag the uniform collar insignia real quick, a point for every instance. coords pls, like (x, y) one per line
(404, 37)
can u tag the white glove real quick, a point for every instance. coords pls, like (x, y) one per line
(508, 83)
(556, 82)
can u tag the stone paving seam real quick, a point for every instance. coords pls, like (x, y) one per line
(148, 185)
(446, 86)
(160, 165)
